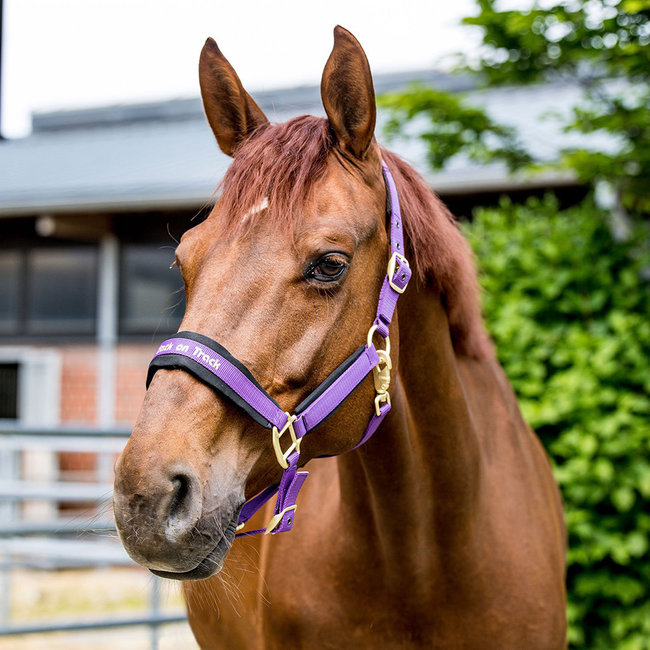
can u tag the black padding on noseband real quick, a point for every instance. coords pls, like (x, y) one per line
(321, 388)
(180, 362)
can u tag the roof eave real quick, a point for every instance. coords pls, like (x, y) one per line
(449, 184)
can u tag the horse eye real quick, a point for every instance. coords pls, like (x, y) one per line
(328, 268)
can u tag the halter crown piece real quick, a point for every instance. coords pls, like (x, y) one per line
(211, 363)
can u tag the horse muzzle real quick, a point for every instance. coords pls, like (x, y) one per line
(172, 525)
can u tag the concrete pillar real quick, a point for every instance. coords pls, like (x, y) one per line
(107, 327)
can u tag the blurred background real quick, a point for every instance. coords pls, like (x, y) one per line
(530, 120)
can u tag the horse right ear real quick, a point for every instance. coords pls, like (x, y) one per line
(231, 111)
(348, 94)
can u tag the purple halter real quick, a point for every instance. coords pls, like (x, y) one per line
(211, 363)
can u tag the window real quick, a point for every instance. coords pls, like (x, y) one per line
(48, 291)
(62, 291)
(8, 391)
(10, 263)
(152, 296)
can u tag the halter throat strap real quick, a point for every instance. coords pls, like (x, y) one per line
(209, 362)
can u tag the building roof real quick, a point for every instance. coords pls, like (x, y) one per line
(163, 154)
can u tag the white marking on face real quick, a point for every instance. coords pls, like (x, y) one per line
(262, 205)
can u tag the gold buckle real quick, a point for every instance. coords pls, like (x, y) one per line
(390, 272)
(275, 520)
(381, 397)
(295, 442)
(381, 372)
(371, 333)
(381, 375)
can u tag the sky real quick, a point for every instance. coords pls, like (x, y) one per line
(77, 53)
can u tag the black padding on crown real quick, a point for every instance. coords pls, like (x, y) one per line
(321, 388)
(389, 205)
(194, 368)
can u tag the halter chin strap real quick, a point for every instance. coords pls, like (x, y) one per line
(212, 364)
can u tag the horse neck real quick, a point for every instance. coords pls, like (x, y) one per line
(414, 485)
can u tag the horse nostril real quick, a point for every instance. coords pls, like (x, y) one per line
(183, 507)
(181, 491)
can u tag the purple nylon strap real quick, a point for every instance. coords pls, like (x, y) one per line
(227, 375)
(227, 372)
(284, 510)
(323, 406)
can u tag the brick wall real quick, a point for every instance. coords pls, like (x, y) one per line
(79, 385)
(79, 377)
(132, 363)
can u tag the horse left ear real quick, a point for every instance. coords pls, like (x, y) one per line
(348, 94)
(231, 111)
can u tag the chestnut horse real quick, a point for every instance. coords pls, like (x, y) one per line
(445, 529)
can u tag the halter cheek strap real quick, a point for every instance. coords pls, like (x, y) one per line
(212, 364)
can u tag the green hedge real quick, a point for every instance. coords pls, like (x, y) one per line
(569, 310)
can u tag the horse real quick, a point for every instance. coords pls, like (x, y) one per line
(443, 530)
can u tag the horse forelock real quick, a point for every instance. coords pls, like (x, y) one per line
(277, 168)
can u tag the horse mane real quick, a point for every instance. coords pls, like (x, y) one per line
(442, 256)
(279, 166)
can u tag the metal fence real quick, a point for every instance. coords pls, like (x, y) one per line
(34, 534)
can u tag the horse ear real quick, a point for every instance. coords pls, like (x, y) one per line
(231, 111)
(348, 94)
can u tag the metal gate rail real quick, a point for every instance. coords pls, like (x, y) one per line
(42, 544)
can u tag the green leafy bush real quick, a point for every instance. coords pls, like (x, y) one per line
(569, 310)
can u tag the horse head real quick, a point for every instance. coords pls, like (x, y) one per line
(285, 274)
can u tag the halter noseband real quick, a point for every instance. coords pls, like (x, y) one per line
(212, 364)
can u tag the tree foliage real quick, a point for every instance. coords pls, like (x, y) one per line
(453, 128)
(571, 321)
(603, 45)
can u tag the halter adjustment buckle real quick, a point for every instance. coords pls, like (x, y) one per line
(295, 442)
(396, 258)
(276, 519)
